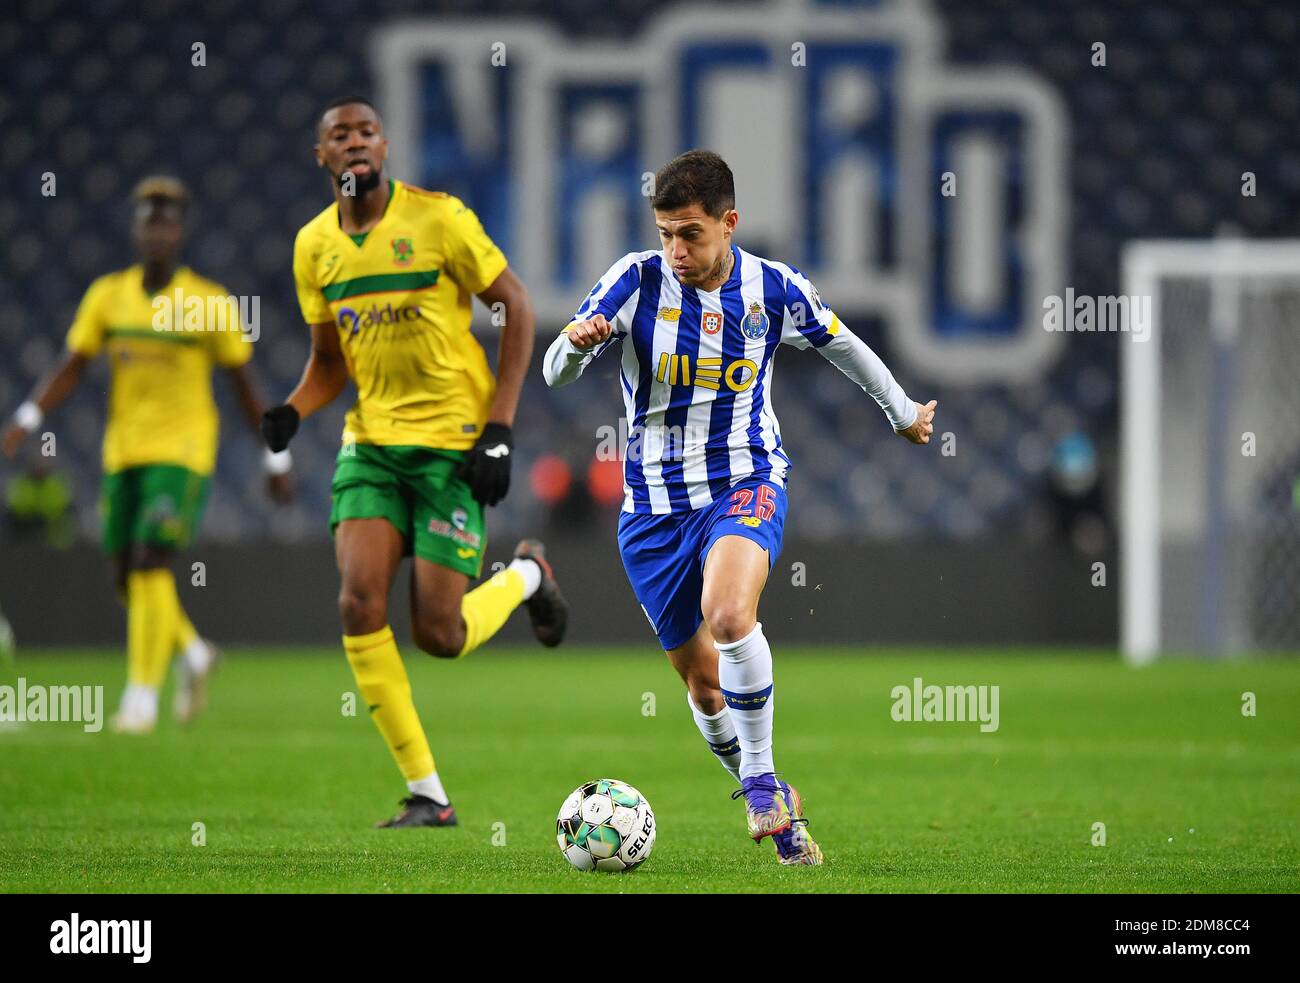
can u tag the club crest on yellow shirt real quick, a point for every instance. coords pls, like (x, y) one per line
(403, 252)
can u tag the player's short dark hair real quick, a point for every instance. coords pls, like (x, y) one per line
(346, 101)
(162, 189)
(697, 177)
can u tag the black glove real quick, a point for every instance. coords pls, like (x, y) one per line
(486, 468)
(279, 424)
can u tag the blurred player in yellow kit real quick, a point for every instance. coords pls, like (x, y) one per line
(386, 277)
(163, 328)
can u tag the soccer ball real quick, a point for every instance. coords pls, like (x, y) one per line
(605, 825)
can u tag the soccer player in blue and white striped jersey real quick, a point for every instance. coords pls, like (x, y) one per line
(704, 468)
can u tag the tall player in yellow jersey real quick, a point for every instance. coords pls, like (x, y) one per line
(386, 278)
(160, 441)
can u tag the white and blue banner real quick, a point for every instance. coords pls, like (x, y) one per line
(930, 196)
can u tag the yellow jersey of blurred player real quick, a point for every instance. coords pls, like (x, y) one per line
(163, 328)
(386, 277)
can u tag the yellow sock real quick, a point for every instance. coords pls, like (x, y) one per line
(186, 633)
(152, 608)
(381, 677)
(486, 608)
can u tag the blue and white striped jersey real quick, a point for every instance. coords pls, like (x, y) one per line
(696, 373)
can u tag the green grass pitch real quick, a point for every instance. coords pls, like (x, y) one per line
(1194, 795)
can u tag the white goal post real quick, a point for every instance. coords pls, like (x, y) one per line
(1210, 434)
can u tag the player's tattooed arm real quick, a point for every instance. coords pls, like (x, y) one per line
(573, 348)
(49, 394)
(516, 351)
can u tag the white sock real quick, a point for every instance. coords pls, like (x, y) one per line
(430, 786)
(720, 733)
(198, 656)
(531, 571)
(139, 700)
(745, 672)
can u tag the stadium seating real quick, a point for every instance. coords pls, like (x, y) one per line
(102, 100)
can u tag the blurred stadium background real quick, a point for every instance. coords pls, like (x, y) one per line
(839, 150)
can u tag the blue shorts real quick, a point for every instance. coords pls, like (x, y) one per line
(664, 554)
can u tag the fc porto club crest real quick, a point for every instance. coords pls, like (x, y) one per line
(403, 252)
(755, 324)
(711, 322)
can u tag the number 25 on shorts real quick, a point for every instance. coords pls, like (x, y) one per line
(742, 498)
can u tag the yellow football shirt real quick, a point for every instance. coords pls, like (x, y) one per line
(161, 350)
(401, 302)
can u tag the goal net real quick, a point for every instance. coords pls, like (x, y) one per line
(1210, 435)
